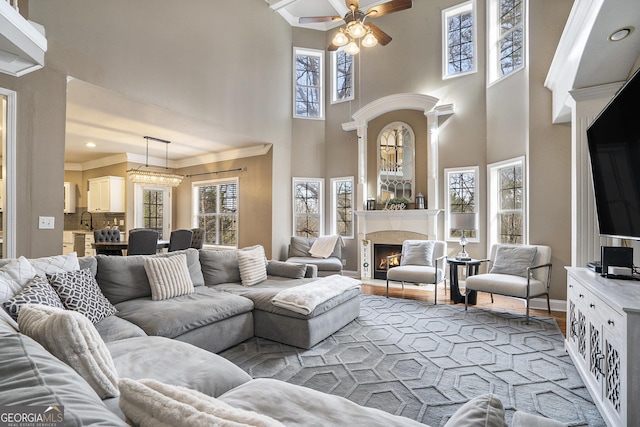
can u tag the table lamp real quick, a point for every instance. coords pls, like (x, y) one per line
(463, 222)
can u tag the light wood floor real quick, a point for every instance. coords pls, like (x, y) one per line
(484, 300)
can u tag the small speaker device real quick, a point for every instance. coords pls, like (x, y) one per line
(616, 256)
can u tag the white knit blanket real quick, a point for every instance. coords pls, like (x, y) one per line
(305, 298)
(323, 246)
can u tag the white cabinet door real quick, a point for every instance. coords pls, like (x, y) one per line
(106, 194)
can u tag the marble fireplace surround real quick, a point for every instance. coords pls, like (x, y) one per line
(391, 227)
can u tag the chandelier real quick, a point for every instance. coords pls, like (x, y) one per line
(354, 30)
(155, 178)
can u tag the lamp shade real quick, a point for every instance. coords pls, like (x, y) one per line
(463, 221)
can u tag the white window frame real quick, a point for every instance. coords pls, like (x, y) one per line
(334, 205)
(493, 184)
(494, 37)
(320, 181)
(138, 209)
(194, 208)
(447, 14)
(447, 219)
(334, 77)
(309, 52)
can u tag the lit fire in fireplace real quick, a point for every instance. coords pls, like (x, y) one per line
(393, 262)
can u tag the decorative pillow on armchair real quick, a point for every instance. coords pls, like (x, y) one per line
(417, 252)
(513, 260)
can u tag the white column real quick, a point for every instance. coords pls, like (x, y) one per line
(585, 105)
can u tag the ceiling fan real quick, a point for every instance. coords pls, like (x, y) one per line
(355, 27)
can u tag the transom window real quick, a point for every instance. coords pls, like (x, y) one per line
(507, 37)
(215, 208)
(342, 206)
(308, 85)
(462, 195)
(307, 207)
(341, 76)
(508, 213)
(396, 162)
(459, 38)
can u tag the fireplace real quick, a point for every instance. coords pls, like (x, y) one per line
(380, 254)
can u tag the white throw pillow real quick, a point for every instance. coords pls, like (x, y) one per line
(513, 260)
(253, 266)
(13, 276)
(169, 277)
(148, 402)
(417, 252)
(56, 264)
(73, 339)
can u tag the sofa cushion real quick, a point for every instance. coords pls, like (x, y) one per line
(176, 316)
(122, 278)
(291, 270)
(36, 291)
(89, 262)
(252, 265)
(30, 375)
(300, 247)
(175, 362)
(323, 264)
(72, 338)
(79, 291)
(114, 328)
(482, 411)
(149, 403)
(168, 277)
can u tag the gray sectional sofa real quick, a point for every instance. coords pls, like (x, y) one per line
(299, 248)
(174, 341)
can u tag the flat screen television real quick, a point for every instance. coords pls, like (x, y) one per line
(614, 147)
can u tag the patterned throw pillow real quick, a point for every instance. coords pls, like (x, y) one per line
(13, 276)
(56, 264)
(79, 291)
(253, 266)
(36, 291)
(168, 277)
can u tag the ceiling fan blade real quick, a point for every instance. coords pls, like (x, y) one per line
(382, 37)
(353, 3)
(389, 7)
(314, 19)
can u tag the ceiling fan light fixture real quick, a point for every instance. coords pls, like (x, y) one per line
(369, 40)
(340, 38)
(352, 48)
(356, 29)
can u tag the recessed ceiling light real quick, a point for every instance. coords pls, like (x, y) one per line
(90, 144)
(620, 34)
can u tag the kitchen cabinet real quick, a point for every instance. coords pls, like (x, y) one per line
(82, 243)
(106, 194)
(69, 197)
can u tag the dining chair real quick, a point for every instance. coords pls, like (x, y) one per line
(197, 238)
(107, 235)
(180, 239)
(142, 241)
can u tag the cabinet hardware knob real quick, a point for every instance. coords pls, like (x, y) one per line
(571, 286)
(611, 322)
(592, 305)
(581, 296)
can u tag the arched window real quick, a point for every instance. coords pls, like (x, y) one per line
(396, 162)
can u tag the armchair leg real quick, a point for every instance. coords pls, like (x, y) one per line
(435, 293)
(466, 299)
(491, 298)
(527, 310)
(387, 288)
(548, 303)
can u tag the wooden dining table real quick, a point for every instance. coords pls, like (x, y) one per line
(122, 245)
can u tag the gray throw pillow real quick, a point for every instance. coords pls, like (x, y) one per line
(219, 266)
(513, 260)
(291, 270)
(417, 252)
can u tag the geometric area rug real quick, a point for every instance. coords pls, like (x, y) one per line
(424, 361)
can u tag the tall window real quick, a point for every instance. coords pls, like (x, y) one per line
(152, 208)
(459, 39)
(307, 207)
(308, 90)
(215, 208)
(506, 37)
(341, 76)
(462, 195)
(507, 202)
(342, 206)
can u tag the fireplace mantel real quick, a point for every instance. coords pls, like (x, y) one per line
(417, 220)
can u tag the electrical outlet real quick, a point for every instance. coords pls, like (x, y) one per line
(46, 222)
(344, 262)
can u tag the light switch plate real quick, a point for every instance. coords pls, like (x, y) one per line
(46, 222)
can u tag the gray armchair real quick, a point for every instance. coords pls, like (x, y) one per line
(299, 253)
(522, 271)
(421, 261)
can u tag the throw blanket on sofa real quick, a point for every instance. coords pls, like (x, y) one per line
(323, 246)
(305, 298)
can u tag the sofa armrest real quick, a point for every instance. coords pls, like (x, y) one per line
(312, 271)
